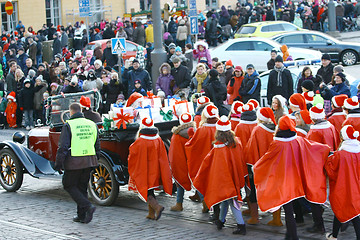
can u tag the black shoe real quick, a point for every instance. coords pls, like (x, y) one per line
(213, 217)
(219, 224)
(316, 229)
(89, 214)
(78, 219)
(240, 229)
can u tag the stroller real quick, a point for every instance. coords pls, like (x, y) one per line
(349, 24)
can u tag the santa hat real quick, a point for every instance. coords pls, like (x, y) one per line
(297, 100)
(185, 118)
(255, 103)
(285, 123)
(229, 63)
(223, 124)
(338, 100)
(351, 103)
(4, 39)
(236, 107)
(11, 96)
(317, 111)
(305, 115)
(85, 102)
(211, 111)
(147, 122)
(202, 100)
(348, 132)
(133, 98)
(266, 114)
(247, 107)
(309, 97)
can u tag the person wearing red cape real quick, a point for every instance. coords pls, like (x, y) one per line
(343, 170)
(222, 175)
(303, 122)
(337, 115)
(202, 102)
(352, 109)
(291, 168)
(235, 114)
(178, 160)
(247, 123)
(148, 167)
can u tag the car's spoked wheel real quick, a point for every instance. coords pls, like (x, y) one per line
(11, 171)
(349, 58)
(104, 188)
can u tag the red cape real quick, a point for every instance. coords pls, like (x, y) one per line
(10, 110)
(258, 144)
(353, 120)
(328, 135)
(197, 120)
(337, 120)
(290, 169)
(221, 175)
(178, 161)
(148, 165)
(301, 132)
(198, 147)
(243, 131)
(343, 169)
(234, 122)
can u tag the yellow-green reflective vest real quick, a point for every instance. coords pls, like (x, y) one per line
(83, 137)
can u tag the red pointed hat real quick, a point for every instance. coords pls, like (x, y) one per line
(185, 118)
(211, 111)
(133, 97)
(11, 96)
(339, 100)
(203, 100)
(229, 63)
(85, 102)
(348, 132)
(266, 114)
(147, 122)
(255, 103)
(285, 123)
(236, 107)
(351, 103)
(248, 107)
(309, 96)
(305, 115)
(223, 124)
(297, 100)
(317, 111)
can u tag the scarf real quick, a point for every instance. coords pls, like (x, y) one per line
(279, 75)
(200, 79)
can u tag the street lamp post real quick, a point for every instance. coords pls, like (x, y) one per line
(332, 19)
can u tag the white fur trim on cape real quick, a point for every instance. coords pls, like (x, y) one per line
(353, 115)
(301, 130)
(352, 146)
(219, 145)
(235, 119)
(266, 128)
(150, 137)
(209, 125)
(248, 122)
(285, 139)
(339, 114)
(322, 125)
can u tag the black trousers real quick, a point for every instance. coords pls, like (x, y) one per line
(291, 230)
(75, 182)
(337, 225)
(252, 196)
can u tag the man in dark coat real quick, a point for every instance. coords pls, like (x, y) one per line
(137, 73)
(108, 33)
(216, 91)
(22, 59)
(139, 34)
(251, 85)
(271, 63)
(32, 50)
(73, 87)
(326, 70)
(108, 57)
(280, 81)
(56, 45)
(85, 104)
(10, 78)
(181, 75)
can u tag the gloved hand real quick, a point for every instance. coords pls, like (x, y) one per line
(232, 81)
(22, 109)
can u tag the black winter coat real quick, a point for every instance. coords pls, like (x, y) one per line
(26, 97)
(111, 59)
(326, 73)
(110, 92)
(108, 34)
(250, 87)
(181, 76)
(56, 46)
(217, 92)
(129, 77)
(285, 90)
(71, 89)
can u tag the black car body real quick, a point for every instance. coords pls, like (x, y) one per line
(346, 52)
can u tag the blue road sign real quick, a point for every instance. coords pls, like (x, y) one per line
(84, 8)
(194, 27)
(192, 13)
(192, 4)
(118, 45)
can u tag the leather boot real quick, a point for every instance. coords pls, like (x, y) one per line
(240, 229)
(151, 214)
(177, 208)
(216, 214)
(195, 197)
(247, 212)
(276, 221)
(254, 214)
(156, 206)
(205, 209)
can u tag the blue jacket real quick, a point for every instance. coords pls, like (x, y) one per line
(250, 87)
(129, 77)
(328, 93)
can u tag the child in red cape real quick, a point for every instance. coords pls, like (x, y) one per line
(291, 168)
(202, 102)
(149, 167)
(343, 170)
(247, 123)
(222, 174)
(303, 122)
(10, 111)
(177, 158)
(235, 114)
(337, 115)
(201, 143)
(352, 109)
(261, 138)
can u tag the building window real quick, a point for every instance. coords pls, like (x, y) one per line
(211, 3)
(145, 5)
(180, 3)
(53, 12)
(97, 10)
(9, 22)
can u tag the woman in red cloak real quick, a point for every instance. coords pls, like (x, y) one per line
(343, 169)
(303, 122)
(235, 114)
(247, 123)
(149, 167)
(337, 115)
(291, 168)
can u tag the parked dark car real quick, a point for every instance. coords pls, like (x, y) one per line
(346, 52)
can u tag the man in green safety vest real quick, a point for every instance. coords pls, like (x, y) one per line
(77, 155)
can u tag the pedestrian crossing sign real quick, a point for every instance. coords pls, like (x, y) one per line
(118, 45)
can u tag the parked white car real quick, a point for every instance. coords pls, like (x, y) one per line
(243, 51)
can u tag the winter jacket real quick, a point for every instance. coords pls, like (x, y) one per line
(22, 61)
(194, 84)
(182, 32)
(190, 63)
(301, 80)
(172, 27)
(110, 92)
(285, 89)
(56, 46)
(181, 76)
(326, 73)
(26, 98)
(3, 104)
(129, 77)
(216, 91)
(71, 89)
(109, 58)
(205, 53)
(149, 32)
(327, 93)
(233, 88)
(163, 82)
(38, 95)
(10, 82)
(250, 87)
(32, 52)
(108, 33)
(139, 35)
(91, 115)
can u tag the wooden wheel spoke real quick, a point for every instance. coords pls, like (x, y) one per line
(97, 171)
(95, 176)
(107, 191)
(97, 188)
(94, 182)
(101, 192)
(108, 181)
(108, 186)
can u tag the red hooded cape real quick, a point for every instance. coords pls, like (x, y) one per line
(353, 120)
(258, 144)
(325, 134)
(343, 169)
(337, 120)
(291, 168)
(148, 165)
(198, 147)
(243, 131)
(234, 122)
(221, 175)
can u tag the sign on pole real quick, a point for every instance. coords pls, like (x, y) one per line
(118, 45)
(84, 8)
(9, 9)
(194, 27)
(192, 4)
